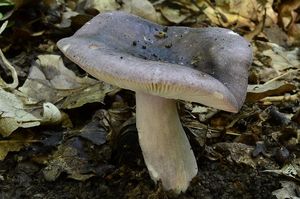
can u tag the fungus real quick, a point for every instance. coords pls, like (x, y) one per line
(197, 68)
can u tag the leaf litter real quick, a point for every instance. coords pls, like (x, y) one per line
(64, 124)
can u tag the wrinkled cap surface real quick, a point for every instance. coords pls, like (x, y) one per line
(204, 65)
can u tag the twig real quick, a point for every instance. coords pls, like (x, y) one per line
(281, 98)
(2, 28)
(280, 76)
(5, 63)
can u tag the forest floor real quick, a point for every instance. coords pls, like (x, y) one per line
(65, 135)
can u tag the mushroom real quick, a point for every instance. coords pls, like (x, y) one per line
(163, 64)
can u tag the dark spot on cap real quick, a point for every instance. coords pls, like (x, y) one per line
(121, 57)
(134, 43)
(144, 47)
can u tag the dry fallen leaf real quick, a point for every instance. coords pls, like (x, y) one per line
(237, 153)
(16, 142)
(72, 158)
(142, 8)
(93, 132)
(276, 35)
(282, 58)
(257, 92)
(287, 170)
(173, 15)
(68, 158)
(60, 85)
(66, 18)
(49, 82)
(217, 17)
(5, 63)
(9, 146)
(289, 19)
(289, 190)
(241, 13)
(14, 114)
(102, 5)
(273, 62)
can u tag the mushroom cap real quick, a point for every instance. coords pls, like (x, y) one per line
(204, 65)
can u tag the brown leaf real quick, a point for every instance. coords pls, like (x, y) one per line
(173, 15)
(241, 13)
(102, 5)
(142, 8)
(257, 92)
(16, 142)
(289, 18)
(237, 153)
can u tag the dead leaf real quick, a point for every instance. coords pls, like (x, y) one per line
(49, 82)
(218, 17)
(9, 146)
(272, 62)
(13, 112)
(58, 75)
(90, 94)
(289, 190)
(66, 18)
(291, 170)
(69, 158)
(276, 35)
(142, 8)
(238, 153)
(281, 58)
(6, 64)
(102, 5)
(16, 142)
(94, 133)
(260, 91)
(60, 85)
(72, 158)
(7, 126)
(241, 13)
(289, 19)
(173, 15)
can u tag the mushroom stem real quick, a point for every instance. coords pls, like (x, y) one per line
(166, 149)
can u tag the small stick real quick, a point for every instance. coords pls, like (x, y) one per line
(5, 63)
(281, 98)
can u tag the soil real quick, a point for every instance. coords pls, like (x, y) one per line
(105, 163)
(23, 178)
